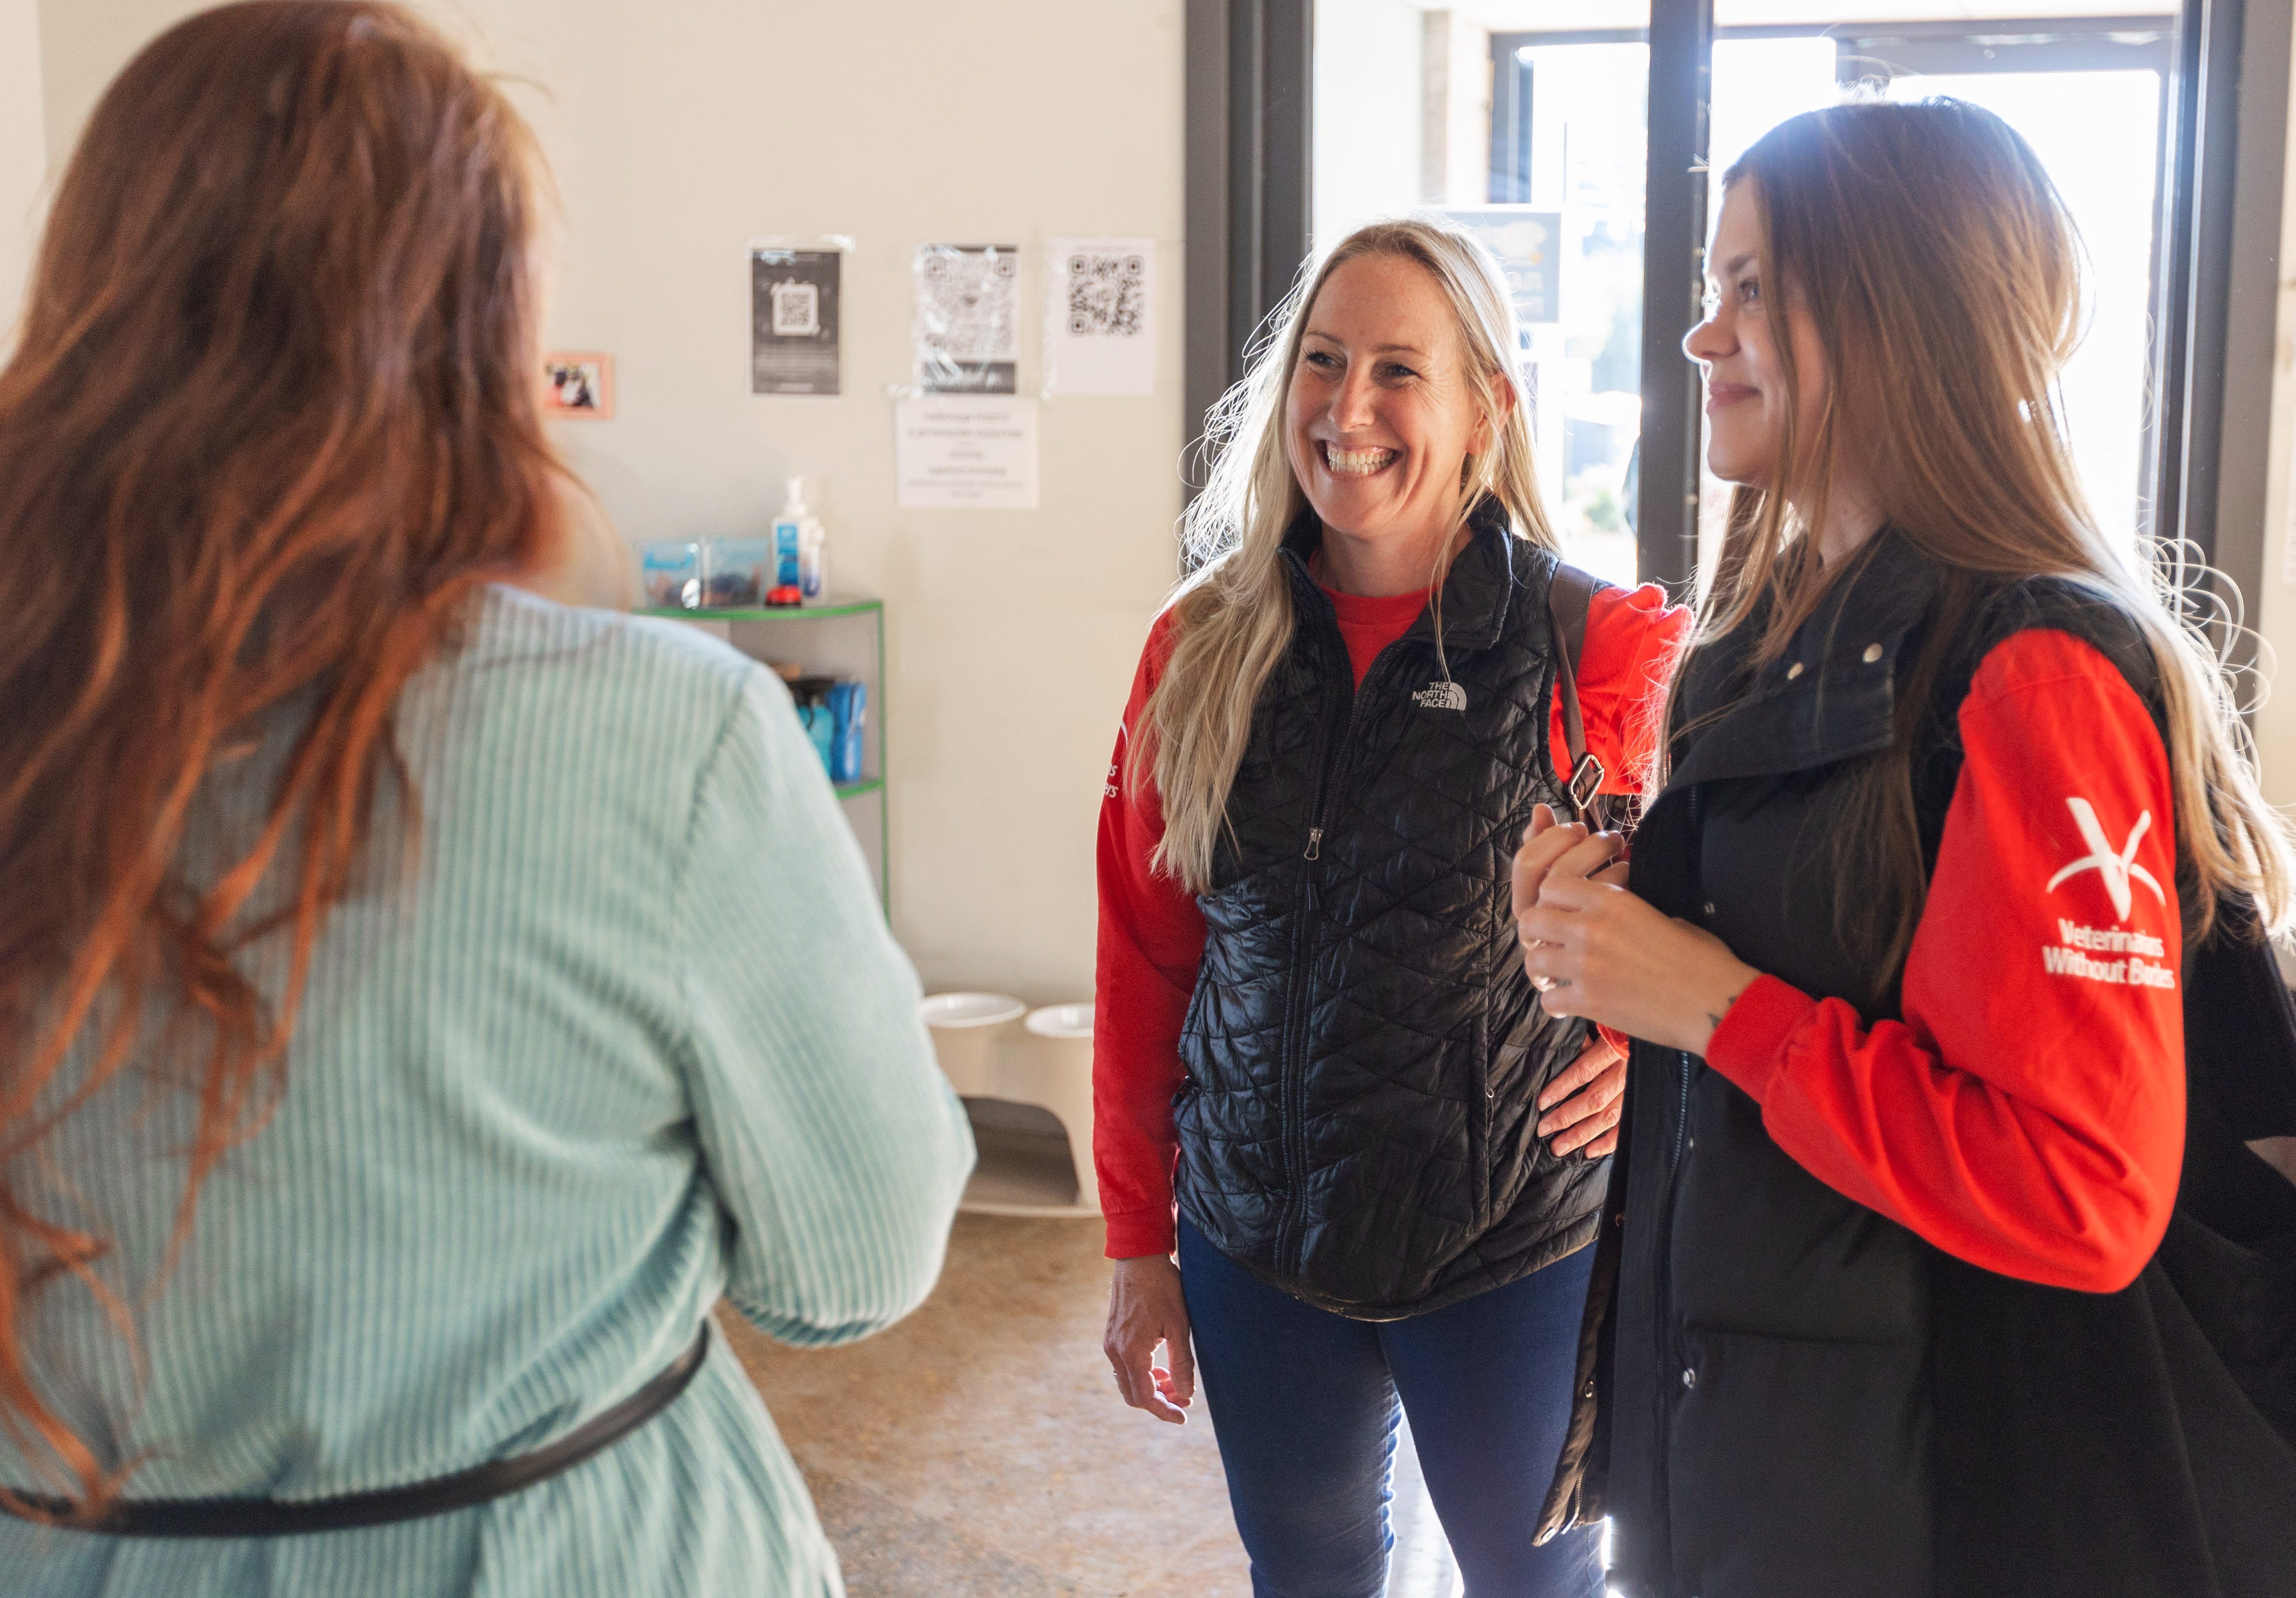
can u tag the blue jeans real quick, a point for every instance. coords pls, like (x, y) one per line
(1305, 1403)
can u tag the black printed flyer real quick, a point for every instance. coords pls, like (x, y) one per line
(793, 320)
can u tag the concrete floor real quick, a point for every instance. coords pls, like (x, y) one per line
(978, 1449)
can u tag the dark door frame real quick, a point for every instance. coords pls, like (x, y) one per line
(2216, 403)
(1674, 285)
(1251, 72)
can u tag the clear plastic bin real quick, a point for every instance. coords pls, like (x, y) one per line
(736, 571)
(670, 575)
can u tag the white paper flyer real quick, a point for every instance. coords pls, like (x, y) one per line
(966, 452)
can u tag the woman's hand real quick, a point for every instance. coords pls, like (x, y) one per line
(1588, 1096)
(1145, 1308)
(1545, 842)
(1608, 954)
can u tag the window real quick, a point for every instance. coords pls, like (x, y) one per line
(2088, 95)
(1330, 112)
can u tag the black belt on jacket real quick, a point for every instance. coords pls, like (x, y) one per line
(273, 1517)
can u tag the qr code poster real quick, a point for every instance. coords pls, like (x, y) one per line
(1100, 317)
(793, 301)
(968, 326)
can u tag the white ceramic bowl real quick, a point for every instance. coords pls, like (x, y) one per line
(970, 1009)
(1062, 1021)
(964, 1026)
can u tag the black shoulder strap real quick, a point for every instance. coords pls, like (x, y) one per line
(1567, 598)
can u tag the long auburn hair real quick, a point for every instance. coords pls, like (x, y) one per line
(1942, 273)
(272, 420)
(1232, 617)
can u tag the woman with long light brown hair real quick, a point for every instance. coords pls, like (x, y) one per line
(419, 1000)
(1939, 1260)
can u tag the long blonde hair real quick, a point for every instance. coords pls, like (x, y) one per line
(1233, 618)
(1942, 272)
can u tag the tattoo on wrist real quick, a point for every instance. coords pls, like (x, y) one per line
(1713, 1019)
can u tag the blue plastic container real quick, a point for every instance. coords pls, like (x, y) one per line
(848, 704)
(811, 695)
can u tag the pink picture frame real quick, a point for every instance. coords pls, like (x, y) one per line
(578, 385)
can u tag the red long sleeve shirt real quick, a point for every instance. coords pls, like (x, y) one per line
(2028, 1115)
(1152, 933)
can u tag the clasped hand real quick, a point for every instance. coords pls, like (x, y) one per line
(1599, 951)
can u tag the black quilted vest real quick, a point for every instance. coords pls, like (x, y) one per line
(1797, 1397)
(1363, 1049)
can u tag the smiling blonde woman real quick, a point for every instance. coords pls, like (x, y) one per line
(1314, 1037)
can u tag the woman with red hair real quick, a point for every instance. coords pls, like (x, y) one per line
(419, 1001)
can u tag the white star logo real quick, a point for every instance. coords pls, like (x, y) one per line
(2115, 867)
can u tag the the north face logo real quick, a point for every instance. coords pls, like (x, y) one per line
(1441, 696)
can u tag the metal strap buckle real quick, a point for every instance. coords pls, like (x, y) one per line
(1585, 782)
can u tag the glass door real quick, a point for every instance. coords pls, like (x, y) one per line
(1535, 123)
(1410, 107)
(1582, 108)
(1540, 139)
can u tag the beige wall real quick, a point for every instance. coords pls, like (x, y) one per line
(23, 158)
(678, 133)
(1454, 150)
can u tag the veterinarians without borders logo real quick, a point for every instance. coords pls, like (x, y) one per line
(2081, 950)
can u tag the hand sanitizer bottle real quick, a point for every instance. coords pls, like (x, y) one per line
(789, 537)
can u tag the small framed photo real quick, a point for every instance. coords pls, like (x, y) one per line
(578, 385)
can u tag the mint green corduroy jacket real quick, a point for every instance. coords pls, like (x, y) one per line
(620, 1031)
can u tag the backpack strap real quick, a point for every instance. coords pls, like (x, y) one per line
(1567, 596)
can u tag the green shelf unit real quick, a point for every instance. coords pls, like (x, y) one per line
(856, 649)
(835, 607)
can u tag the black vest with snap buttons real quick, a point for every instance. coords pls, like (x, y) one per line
(1364, 1049)
(1785, 1394)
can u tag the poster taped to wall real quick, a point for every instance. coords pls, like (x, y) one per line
(969, 453)
(968, 320)
(1100, 317)
(794, 295)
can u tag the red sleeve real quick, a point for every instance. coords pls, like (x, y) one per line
(1151, 941)
(1632, 638)
(2028, 1115)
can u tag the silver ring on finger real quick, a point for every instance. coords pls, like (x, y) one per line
(1544, 983)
